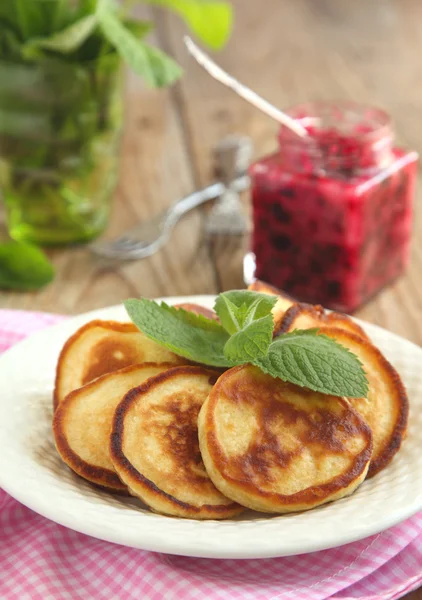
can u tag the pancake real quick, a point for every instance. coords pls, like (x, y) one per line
(198, 310)
(278, 448)
(155, 450)
(284, 301)
(386, 409)
(306, 316)
(82, 423)
(101, 347)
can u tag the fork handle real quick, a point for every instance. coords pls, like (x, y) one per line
(210, 192)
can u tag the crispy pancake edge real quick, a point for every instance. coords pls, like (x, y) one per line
(110, 325)
(328, 319)
(266, 288)
(100, 476)
(211, 451)
(399, 392)
(131, 473)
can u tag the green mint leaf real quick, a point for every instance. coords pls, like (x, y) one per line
(10, 47)
(162, 69)
(60, 14)
(138, 28)
(152, 64)
(251, 343)
(227, 313)
(239, 308)
(247, 316)
(28, 17)
(211, 21)
(8, 14)
(89, 6)
(193, 336)
(23, 267)
(65, 41)
(315, 362)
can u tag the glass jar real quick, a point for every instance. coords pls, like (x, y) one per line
(332, 212)
(59, 131)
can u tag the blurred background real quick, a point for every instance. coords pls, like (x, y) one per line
(289, 52)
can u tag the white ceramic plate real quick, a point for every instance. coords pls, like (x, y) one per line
(32, 472)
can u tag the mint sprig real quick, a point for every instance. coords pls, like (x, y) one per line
(247, 317)
(245, 335)
(193, 336)
(84, 31)
(239, 308)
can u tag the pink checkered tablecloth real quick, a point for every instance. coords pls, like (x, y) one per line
(40, 560)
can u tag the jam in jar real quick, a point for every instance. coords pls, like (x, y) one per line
(332, 211)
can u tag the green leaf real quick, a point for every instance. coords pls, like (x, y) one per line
(315, 362)
(29, 17)
(162, 70)
(60, 15)
(10, 47)
(227, 312)
(192, 336)
(153, 65)
(210, 20)
(239, 308)
(89, 6)
(23, 267)
(251, 343)
(8, 16)
(138, 28)
(65, 41)
(246, 315)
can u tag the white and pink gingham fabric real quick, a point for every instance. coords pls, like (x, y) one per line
(40, 560)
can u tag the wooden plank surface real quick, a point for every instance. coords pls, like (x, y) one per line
(289, 52)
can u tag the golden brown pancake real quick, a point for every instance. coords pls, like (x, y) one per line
(284, 301)
(306, 316)
(101, 347)
(82, 423)
(275, 447)
(198, 310)
(386, 409)
(266, 288)
(155, 450)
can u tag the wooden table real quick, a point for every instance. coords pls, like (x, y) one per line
(289, 52)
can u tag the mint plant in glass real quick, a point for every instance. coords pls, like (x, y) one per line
(61, 105)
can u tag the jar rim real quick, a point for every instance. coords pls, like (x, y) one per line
(345, 138)
(319, 109)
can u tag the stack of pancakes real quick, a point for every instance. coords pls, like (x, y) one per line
(192, 441)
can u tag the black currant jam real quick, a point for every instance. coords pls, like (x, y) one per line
(333, 211)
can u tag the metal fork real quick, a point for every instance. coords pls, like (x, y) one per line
(232, 156)
(148, 237)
